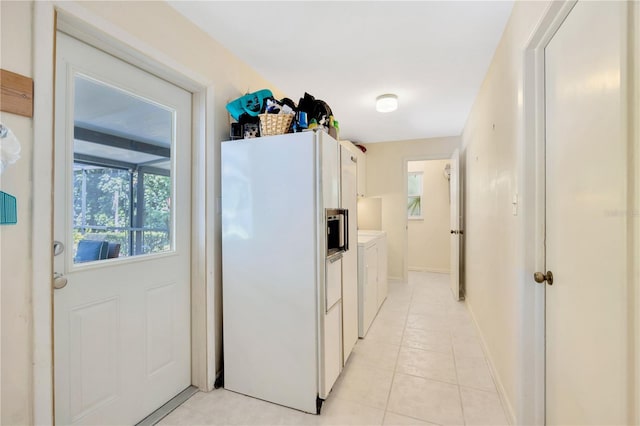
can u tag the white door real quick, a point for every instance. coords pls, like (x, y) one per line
(454, 218)
(350, 258)
(122, 175)
(587, 370)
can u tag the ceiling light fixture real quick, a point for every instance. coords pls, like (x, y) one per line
(387, 103)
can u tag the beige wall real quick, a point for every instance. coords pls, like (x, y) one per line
(370, 213)
(385, 179)
(147, 21)
(492, 140)
(15, 250)
(429, 238)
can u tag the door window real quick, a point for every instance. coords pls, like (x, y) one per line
(122, 186)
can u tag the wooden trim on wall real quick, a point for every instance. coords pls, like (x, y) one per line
(16, 94)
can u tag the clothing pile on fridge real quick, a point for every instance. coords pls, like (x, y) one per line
(254, 114)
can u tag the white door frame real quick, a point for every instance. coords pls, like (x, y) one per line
(531, 392)
(634, 135)
(405, 174)
(95, 30)
(531, 166)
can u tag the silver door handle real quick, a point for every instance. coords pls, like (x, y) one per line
(335, 258)
(59, 281)
(58, 248)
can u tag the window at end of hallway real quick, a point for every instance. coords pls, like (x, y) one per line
(414, 195)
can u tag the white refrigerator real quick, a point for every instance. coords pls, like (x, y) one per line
(282, 274)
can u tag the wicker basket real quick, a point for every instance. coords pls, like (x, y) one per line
(275, 124)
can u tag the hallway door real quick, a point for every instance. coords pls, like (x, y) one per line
(587, 325)
(122, 196)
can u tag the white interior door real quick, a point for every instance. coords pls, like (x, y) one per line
(122, 175)
(587, 211)
(454, 212)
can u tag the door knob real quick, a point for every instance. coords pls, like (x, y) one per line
(454, 232)
(59, 281)
(541, 277)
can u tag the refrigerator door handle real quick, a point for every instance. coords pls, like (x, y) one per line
(346, 230)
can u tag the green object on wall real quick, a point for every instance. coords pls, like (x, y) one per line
(8, 209)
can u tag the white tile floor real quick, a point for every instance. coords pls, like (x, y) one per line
(420, 364)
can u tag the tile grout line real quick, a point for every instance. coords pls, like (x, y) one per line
(418, 419)
(395, 367)
(476, 335)
(455, 365)
(434, 380)
(455, 362)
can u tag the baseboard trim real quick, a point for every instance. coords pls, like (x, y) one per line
(508, 408)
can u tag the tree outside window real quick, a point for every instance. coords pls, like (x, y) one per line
(132, 208)
(414, 195)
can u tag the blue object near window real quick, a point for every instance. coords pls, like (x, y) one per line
(89, 250)
(8, 209)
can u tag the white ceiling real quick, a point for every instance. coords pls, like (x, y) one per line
(432, 54)
(111, 110)
(108, 110)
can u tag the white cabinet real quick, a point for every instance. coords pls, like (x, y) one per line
(362, 173)
(361, 159)
(372, 276)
